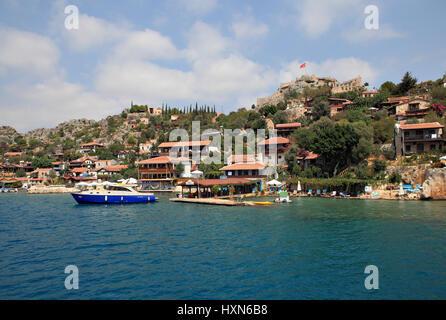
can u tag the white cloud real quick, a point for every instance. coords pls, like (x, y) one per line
(93, 32)
(28, 52)
(215, 73)
(197, 7)
(362, 35)
(342, 69)
(204, 41)
(249, 28)
(45, 104)
(316, 17)
(147, 44)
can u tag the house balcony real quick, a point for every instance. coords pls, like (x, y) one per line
(155, 170)
(424, 137)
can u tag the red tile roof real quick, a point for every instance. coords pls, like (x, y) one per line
(163, 159)
(309, 156)
(243, 166)
(243, 158)
(91, 144)
(432, 125)
(289, 125)
(184, 144)
(78, 170)
(277, 140)
(12, 154)
(116, 168)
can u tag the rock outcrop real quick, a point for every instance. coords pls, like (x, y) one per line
(434, 187)
(409, 174)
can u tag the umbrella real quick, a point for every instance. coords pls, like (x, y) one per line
(196, 173)
(299, 188)
(274, 183)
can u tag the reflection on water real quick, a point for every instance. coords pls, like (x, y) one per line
(309, 249)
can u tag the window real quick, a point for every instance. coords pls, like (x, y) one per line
(407, 148)
(433, 147)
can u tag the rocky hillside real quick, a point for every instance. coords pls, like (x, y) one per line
(7, 134)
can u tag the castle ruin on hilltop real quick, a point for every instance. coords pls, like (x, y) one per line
(312, 81)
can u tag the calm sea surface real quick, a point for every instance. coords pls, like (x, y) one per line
(309, 249)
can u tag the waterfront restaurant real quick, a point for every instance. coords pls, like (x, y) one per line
(203, 188)
(159, 173)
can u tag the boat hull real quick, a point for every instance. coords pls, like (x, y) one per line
(111, 199)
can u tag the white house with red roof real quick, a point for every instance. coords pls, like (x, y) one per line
(90, 147)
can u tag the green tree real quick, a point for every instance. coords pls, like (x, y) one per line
(388, 86)
(41, 162)
(179, 169)
(321, 108)
(407, 83)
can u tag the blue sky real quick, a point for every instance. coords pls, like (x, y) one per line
(226, 53)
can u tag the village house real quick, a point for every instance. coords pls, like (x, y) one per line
(307, 159)
(58, 166)
(144, 148)
(90, 147)
(393, 101)
(267, 147)
(154, 111)
(12, 154)
(10, 170)
(40, 176)
(245, 170)
(369, 94)
(186, 148)
(110, 170)
(82, 171)
(123, 154)
(338, 105)
(86, 162)
(286, 129)
(409, 109)
(418, 138)
(159, 173)
(98, 164)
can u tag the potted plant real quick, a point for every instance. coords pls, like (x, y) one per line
(231, 192)
(215, 190)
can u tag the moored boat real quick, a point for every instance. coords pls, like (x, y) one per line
(110, 193)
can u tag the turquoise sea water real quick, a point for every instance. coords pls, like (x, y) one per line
(309, 249)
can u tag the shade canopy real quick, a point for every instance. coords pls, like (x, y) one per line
(274, 183)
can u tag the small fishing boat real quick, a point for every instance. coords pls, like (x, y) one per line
(109, 193)
(284, 197)
(261, 203)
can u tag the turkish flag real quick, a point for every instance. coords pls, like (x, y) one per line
(303, 65)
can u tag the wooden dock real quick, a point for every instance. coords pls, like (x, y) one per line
(220, 202)
(213, 201)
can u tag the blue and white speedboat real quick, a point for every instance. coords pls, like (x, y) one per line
(112, 193)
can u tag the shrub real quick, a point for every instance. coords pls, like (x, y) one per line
(395, 178)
